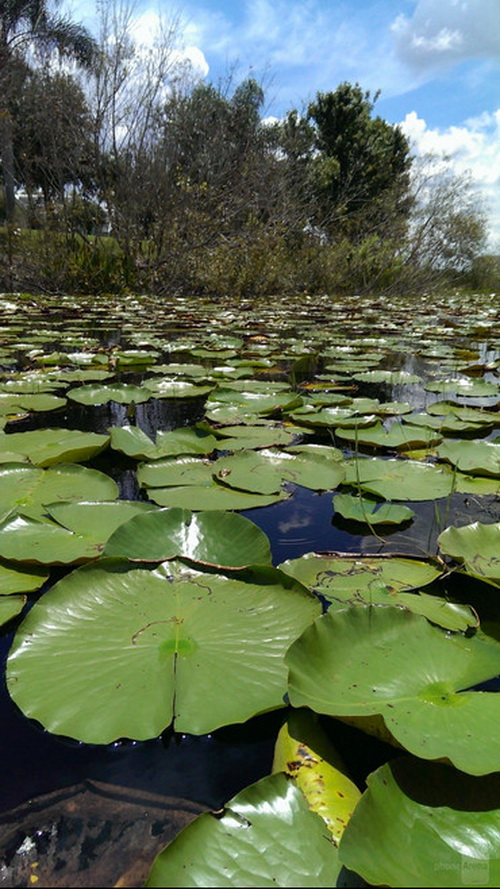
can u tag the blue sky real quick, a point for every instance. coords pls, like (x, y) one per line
(435, 62)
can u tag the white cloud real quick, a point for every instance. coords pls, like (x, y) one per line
(473, 147)
(446, 32)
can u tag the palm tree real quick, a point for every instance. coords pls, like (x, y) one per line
(27, 26)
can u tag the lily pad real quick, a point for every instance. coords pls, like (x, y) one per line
(165, 388)
(304, 751)
(398, 480)
(379, 580)
(236, 438)
(371, 660)
(463, 387)
(77, 532)
(266, 836)
(26, 489)
(423, 824)
(14, 579)
(175, 471)
(359, 509)
(10, 403)
(477, 547)
(216, 538)
(394, 377)
(397, 436)
(156, 647)
(10, 607)
(45, 447)
(185, 440)
(123, 393)
(476, 457)
(265, 470)
(212, 496)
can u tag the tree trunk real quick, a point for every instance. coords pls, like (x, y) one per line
(7, 152)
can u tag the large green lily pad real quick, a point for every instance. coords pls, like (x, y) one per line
(10, 403)
(213, 537)
(256, 402)
(397, 436)
(399, 480)
(123, 393)
(371, 660)
(463, 386)
(73, 532)
(265, 837)
(155, 647)
(476, 457)
(237, 437)
(379, 580)
(264, 471)
(212, 496)
(173, 471)
(477, 547)
(186, 440)
(26, 489)
(423, 824)
(45, 447)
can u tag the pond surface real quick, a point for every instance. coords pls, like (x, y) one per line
(325, 353)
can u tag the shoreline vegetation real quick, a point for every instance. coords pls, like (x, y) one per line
(125, 173)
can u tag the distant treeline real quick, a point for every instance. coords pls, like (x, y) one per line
(141, 178)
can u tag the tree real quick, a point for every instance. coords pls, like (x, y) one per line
(52, 135)
(447, 229)
(361, 164)
(27, 27)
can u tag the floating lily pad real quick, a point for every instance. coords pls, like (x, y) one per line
(398, 480)
(397, 436)
(463, 387)
(382, 660)
(379, 580)
(476, 457)
(394, 377)
(479, 416)
(255, 401)
(45, 447)
(26, 489)
(10, 607)
(304, 751)
(237, 437)
(175, 471)
(185, 440)
(212, 496)
(77, 533)
(265, 836)
(424, 824)
(449, 423)
(264, 471)
(14, 579)
(359, 509)
(176, 389)
(156, 646)
(477, 547)
(216, 538)
(123, 393)
(10, 403)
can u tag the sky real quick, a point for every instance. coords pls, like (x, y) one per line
(436, 64)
